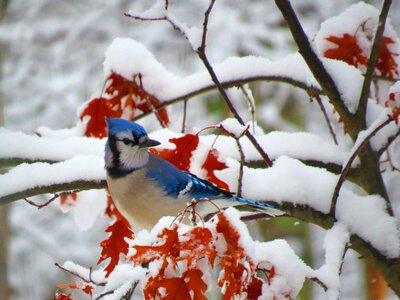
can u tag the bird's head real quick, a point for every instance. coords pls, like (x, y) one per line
(126, 148)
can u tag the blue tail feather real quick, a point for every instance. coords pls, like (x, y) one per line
(253, 202)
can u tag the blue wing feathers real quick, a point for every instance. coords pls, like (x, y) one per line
(167, 175)
(177, 182)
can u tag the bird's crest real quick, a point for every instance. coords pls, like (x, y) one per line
(116, 126)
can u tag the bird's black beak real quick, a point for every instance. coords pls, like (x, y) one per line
(149, 143)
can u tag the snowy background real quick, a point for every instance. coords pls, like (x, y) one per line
(52, 55)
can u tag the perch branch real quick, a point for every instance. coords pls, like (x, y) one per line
(54, 188)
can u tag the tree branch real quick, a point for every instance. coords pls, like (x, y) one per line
(373, 59)
(233, 83)
(346, 168)
(54, 188)
(314, 63)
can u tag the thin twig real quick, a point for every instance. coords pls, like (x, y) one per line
(346, 168)
(255, 216)
(241, 153)
(184, 115)
(389, 142)
(205, 26)
(373, 58)
(250, 102)
(326, 117)
(39, 206)
(87, 280)
(224, 95)
(346, 247)
(392, 165)
(241, 167)
(317, 280)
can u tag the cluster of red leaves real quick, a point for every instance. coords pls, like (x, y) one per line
(123, 98)
(84, 287)
(393, 102)
(192, 249)
(182, 154)
(347, 48)
(238, 274)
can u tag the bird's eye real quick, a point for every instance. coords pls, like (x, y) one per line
(127, 141)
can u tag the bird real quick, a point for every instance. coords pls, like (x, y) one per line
(145, 187)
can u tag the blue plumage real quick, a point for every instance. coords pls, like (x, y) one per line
(146, 187)
(116, 126)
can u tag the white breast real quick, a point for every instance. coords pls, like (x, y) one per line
(141, 202)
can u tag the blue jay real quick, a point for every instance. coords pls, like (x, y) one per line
(145, 187)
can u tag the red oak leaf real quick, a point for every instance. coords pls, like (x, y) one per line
(150, 253)
(386, 64)
(213, 164)
(68, 199)
(234, 276)
(115, 244)
(195, 283)
(177, 287)
(347, 50)
(98, 109)
(173, 288)
(84, 287)
(271, 275)
(196, 244)
(254, 289)
(59, 296)
(182, 154)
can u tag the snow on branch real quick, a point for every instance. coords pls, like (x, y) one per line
(33, 148)
(81, 172)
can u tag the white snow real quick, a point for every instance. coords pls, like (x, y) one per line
(376, 115)
(80, 167)
(357, 213)
(89, 206)
(233, 127)
(348, 79)
(128, 57)
(275, 253)
(289, 180)
(21, 145)
(122, 278)
(335, 242)
(97, 276)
